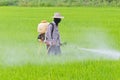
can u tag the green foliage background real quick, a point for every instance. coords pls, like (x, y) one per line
(100, 3)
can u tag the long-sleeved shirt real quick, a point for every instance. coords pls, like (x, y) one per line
(53, 36)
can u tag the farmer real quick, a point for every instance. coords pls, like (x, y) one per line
(53, 36)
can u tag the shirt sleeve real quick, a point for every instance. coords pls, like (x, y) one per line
(48, 33)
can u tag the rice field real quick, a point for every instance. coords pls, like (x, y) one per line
(92, 51)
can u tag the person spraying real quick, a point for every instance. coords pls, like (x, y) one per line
(52, 35)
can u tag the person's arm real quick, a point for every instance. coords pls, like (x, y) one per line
(49, 39)
(49, 30)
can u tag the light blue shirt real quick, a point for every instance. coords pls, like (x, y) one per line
(55, 37)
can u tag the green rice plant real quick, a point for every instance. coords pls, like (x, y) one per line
(22, 57)
(92, 70)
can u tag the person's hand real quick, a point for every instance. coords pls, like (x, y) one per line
(50, 43)
(47, 43)
(53, 43)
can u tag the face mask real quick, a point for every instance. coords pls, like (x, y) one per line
(57, 20)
